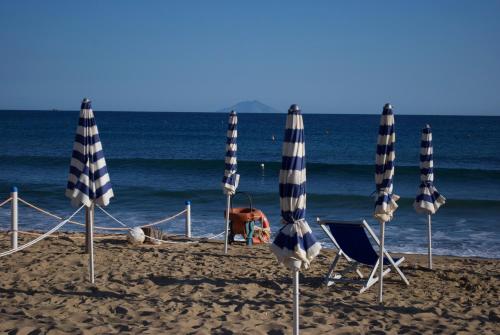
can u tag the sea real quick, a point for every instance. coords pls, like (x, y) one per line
(158, 161)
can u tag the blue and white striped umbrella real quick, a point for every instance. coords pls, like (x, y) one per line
(295, 241)
(231, 179)
(88, 180)
(385, 203)
(428, 199)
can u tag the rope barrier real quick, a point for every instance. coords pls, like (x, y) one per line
(115, 235)
(184, 242)
(38, 239)
(6, 201)
(164, 220)
(46, 212)
(149, 225)
(146, 225)
(211, 237)
(98, 227)
(60, 218)
(124, 226)
(113, 218)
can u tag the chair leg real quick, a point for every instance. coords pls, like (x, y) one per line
(332, 268)
(395, 265)
(389, 257)
(359, 273)
(372, 279)
(340, 277)
(350, 267)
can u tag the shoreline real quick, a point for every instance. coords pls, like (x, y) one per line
(181, 237)
(196, 289)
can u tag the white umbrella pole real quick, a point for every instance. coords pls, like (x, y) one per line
(87, 229)
(430, 240)
(89, 223)
(295, 274)
(381, 263)
(227, 223)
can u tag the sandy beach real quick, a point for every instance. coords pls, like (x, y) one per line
(195, 289)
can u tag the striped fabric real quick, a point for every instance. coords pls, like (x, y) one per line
(385, 203)
(88, 179)
(231, 179)
(295, 241)
(428, 199)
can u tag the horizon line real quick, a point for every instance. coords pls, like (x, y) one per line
(217, 112)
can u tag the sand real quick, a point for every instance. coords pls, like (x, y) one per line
(195, 289)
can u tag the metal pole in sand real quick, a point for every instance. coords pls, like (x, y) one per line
(87, 231)
(430, 240)
(381, 263)
(227, 223)
(188, 219)
(14, 218)
(89, 225)
(295, 274)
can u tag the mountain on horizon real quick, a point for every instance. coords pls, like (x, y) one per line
(253, 106)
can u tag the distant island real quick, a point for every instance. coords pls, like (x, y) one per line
(249, 107)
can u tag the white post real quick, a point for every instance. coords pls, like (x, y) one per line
(89, 224)
(188, 219)
(227, 223)
(14, 218)
(430, 240)
(381, 263)
(295, 274)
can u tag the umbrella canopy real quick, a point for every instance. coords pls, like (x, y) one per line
(385, 203)
(428, 199)
(88, 180)
(231, 179)
(295, 241)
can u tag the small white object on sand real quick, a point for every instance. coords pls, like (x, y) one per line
(136, 236)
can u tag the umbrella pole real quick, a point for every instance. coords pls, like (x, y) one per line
(89, 225)
(381, 263)
(429, 226)
(295, 274)
(87, 231)
(227, 223)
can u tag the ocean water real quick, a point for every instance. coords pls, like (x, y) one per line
(157, 161)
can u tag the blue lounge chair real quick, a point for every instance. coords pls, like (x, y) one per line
(350, 238)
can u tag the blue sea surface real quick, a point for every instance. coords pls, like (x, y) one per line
(157, 161)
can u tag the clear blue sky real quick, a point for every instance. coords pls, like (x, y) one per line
(437, 57)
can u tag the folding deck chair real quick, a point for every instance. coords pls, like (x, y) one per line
(350, 238)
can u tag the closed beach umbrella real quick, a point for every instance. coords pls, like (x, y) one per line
(88, 181)
(295, 245)
(230, 179)
(385, 203)
(428, 199)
